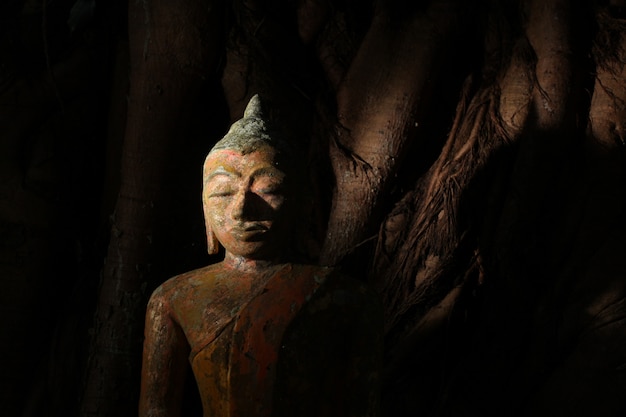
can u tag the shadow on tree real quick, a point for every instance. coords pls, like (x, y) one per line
(467, 160)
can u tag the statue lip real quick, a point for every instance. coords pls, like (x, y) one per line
(249, 231)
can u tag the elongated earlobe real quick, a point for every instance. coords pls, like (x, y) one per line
(213, 245)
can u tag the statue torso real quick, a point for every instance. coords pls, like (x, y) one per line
(256, 340)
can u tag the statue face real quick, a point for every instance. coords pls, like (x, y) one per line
(244, 202)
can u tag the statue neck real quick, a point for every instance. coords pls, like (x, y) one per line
(248, 265)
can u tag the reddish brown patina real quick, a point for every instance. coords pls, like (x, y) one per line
(264, 337)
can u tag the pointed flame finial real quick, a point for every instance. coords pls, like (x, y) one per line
(254, 108)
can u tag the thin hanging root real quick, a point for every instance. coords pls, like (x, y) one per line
(473, 137)
(460, 114)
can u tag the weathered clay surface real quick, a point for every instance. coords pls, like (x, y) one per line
(264, 337)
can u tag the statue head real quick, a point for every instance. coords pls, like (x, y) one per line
(246, 189)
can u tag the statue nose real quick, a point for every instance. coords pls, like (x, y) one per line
(242, 206)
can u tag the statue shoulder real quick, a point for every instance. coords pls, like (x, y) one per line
(342, 287)
(177, 289)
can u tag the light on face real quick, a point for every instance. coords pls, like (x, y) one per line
(243, 200)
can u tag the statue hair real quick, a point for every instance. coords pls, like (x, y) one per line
(252, 132)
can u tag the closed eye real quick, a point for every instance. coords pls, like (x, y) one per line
(270, 190)
(221, 193)
(265, 187)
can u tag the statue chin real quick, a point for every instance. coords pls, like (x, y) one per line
(256, 244)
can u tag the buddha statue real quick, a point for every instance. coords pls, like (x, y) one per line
(264, 335)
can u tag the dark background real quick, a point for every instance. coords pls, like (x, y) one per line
(539, 329)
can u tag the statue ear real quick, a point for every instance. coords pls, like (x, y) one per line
(213, 245)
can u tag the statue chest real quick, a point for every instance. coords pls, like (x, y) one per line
(237, 370)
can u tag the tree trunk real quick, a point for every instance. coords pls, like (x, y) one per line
(379, 112)
(171, 48)
(467, 159)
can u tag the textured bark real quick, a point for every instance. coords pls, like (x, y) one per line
(379, 110)
(496, 209)
(516, 261)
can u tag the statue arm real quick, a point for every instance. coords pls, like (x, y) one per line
(164, 365)
(334, 345)
(356, 327)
